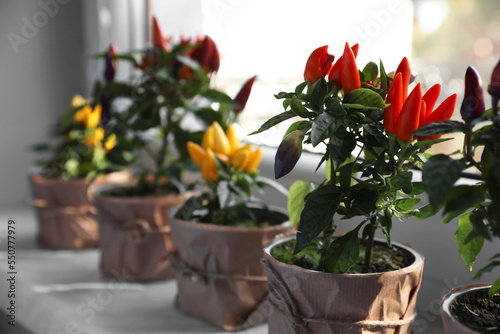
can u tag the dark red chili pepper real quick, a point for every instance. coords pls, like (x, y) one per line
(409, 117)
(336, 70)
(349, 71)
(494, 87)
(318, 64)
(157, 36)
(395, 99)
(105, 108)
(405, 70)
(243, 94)
(288, 153)
(207, 55)
(473, 103)
(110, 64)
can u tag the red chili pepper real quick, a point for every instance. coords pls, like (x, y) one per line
(349, 71)
(243, 94)
(441, 114)
(405, 70)
(430, 98)
(207, 55)
(318, 64)
(335, 72)
(409, 117)
(157, 36)
(395, 99)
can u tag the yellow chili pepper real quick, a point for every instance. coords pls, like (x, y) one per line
(94, 117)
(110, 142)
(82, 114)
(209, 169)
(241, 156)
(78, 101)
(196, 152)
(96, 138)
(232, 137)
(254, 160)
(221, 143)
(208, 138)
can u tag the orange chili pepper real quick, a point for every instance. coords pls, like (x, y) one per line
(409, 117)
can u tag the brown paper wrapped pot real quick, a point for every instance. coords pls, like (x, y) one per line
(220, 275)
(452, 325)
(64, 210)
(306, 301)
(135, 234)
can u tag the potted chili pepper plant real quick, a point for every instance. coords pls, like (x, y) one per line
(475, 308)
(81, 154)
(323, 282)
(219, 235)
(169, 102)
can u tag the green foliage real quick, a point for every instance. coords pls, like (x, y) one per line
(368, 172)
(476, 205)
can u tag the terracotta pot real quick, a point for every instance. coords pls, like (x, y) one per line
(220, 277)
(451, 324)
(64, 210)
(135, 234)
(307, 301)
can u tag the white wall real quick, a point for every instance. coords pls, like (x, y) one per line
(36, 82)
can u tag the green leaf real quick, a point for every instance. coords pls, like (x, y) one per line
(322, 127)
(439, 174)
(364, 202)
(334, 107)
(405, 204)
(299, 109)
(463, 197)
(384, 81)
(341, 149)
(318, 94)
(296, 196)
(317, 214)
(370, 72)
(402, 181)
(468, 251)
(274, 120)
(343, 252)
(300, 88)
(218, 96)
(452, 215)
(418, 189)
(425, 212)
(495, 288)
(365, 97)
(491, 175)
(345, 175)
(386, 223)
(445, 127)
(299, 125)
(488, 268)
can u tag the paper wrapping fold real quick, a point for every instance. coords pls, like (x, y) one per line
(305, 301)
(221, 279)
(135, 235)
(452, 325)
(63, 208)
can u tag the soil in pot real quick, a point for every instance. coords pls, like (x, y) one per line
(384, 258)
(478, 311)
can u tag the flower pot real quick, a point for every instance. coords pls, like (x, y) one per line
(135, 234)
(452, 324)
(307, 301)
(220, 277)
(63, 208)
